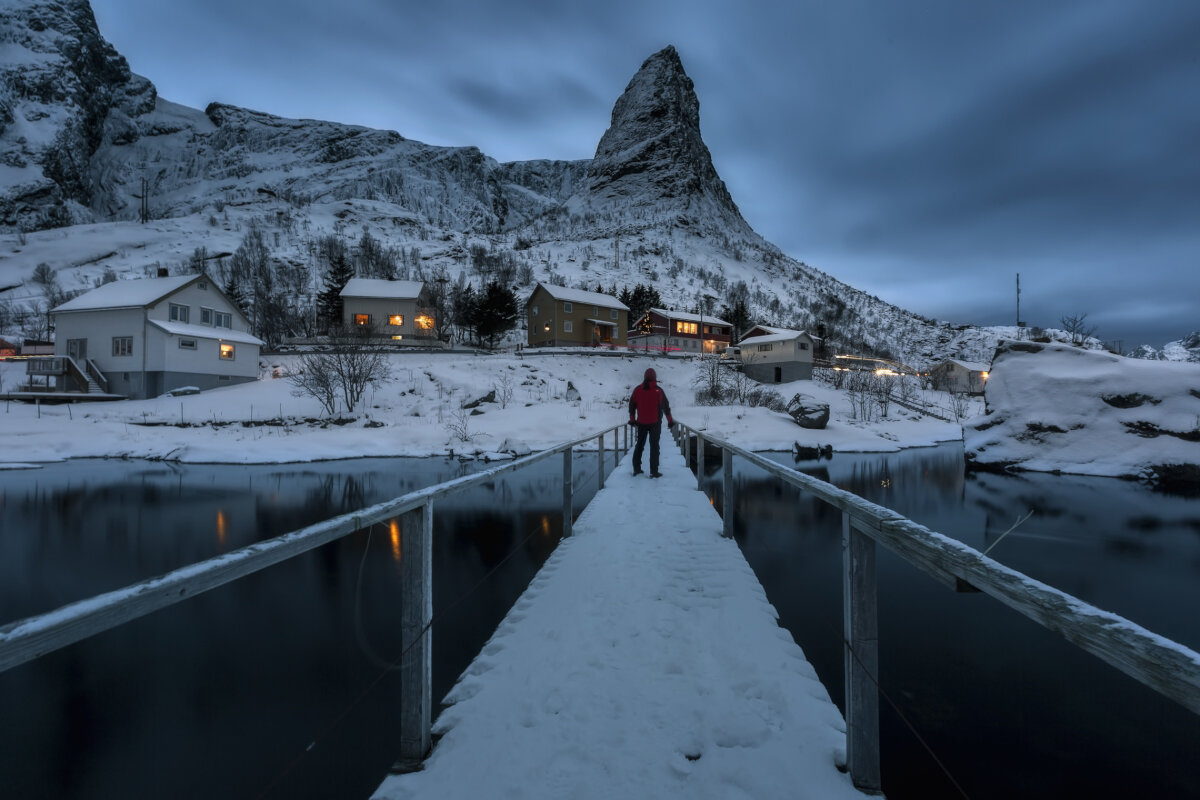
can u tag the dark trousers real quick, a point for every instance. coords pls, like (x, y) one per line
(644, 431)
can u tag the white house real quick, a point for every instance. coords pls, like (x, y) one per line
(397, 310)
(777, 355)
(147, 337)
(954, 375)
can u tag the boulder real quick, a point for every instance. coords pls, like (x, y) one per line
(807, 412)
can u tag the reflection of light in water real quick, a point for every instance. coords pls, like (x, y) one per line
(394, 530)
(545, 525)
(222, 527)
(886, 483)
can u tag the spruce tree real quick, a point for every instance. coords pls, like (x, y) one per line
(496, 313)
(337, 274)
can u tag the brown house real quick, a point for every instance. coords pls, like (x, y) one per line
(562, 317)
(679, 331)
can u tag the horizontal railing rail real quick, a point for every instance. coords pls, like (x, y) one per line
(1166, 666)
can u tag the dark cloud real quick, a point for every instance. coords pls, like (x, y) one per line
(923, 151)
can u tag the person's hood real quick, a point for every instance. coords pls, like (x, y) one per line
(649, 378)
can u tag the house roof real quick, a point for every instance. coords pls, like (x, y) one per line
(972, 366)
(582, 296)
(686, 317)
(128, 294)
(380, 289)
(775, 334)
(205, 332)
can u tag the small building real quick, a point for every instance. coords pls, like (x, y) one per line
(8, 349)
(142, 338)
(955, 376)
(37, 347)
(680, 331)
(396, 310)
(562, 317)
(777, 355)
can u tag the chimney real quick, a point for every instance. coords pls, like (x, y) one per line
(162, 272)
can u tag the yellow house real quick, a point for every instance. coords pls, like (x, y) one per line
(562, 317)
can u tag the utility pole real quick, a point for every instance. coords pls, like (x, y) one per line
(1020, 325)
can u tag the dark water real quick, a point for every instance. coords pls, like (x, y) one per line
(1011, 710)
(276, 685)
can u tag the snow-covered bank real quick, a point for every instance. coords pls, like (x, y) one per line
(1056, 408)
(419, 412)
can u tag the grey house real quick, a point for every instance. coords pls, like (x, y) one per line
(142, 338)
(777, 355)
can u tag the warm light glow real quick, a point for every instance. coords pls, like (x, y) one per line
(885, 371)
(362, 319)
(546, 327)
(394, 530)
(226, 352)
(396, 319)
(686, 327)
(397, 336)
(545, 525)
(425, 322)
(985, 376)
(222, 528)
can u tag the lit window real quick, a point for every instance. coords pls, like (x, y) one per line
(362, 319)
(546, 327)
(206, 316)
(226, 352)
(397, 336)
(122, 345)
(178, 313)
(568, 326)
(396, 320)
(686, 327)
(568, 307)
(425, 322)
(187, 344)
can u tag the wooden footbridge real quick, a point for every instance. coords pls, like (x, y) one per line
(794, 736)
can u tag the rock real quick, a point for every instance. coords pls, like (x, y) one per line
(572, 392)
(515, 448)
(807, 412)
(490, 397)
(802, 452)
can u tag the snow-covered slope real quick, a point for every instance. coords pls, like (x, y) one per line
(1057, 408)
(79, 134)
(1185, 349)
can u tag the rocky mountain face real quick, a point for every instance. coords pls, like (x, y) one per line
(1185, 349)
(80, 135)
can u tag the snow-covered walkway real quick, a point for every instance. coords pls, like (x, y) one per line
(643, 661)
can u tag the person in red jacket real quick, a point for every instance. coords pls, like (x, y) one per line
(647, 406)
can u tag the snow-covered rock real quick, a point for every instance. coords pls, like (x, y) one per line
(1057, 408)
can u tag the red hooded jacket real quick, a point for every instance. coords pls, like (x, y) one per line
(649, 403)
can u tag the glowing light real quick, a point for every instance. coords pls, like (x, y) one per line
(545, 525)
(985, 376)
(222, 528)
(394, 531)
(425, 322)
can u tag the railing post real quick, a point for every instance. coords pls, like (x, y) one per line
(699, 461)
(600, 460)
(861, 633)
(687, 450)
(416, 670)
(568, 491)
(727, 492)
(616, 448)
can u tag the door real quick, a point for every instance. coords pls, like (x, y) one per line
(779, 374)
(77, 349)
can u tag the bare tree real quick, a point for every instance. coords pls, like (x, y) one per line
(1077, 328)
(355, 362)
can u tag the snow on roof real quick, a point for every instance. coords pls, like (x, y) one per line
(583, 297)
(380, 289)
(205, 332)
(128, 294)
(775, 335)
(971, 366)
(686, 317)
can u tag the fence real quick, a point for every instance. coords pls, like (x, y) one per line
(28, 639)
(1163, 665)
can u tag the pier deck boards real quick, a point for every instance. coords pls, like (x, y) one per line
(644, 660)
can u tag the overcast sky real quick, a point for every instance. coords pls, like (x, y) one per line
(924, 151)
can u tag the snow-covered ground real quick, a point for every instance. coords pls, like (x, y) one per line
(644, 661)
(418, 412)
(1059, 408)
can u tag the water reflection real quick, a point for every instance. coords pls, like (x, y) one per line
(1012, 709)
(276, 685)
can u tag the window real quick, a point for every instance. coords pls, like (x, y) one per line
(178, 313)
(425, 322)
(568, 326)
(595, 311)
(122, 345)
(223, 319)
(226, 351)
(612, 313)
(765, 348)
(398, 336)
(546, 327)
(533, 310)
(206, 316)
(686, 327)
(362, 319)
(804, 345)
(187, 344)
(396, 319)
(568, 307)
(202, 286)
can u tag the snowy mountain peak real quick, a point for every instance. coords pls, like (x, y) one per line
(652, 154)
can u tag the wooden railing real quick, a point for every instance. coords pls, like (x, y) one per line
(65, 367)
(31, 638)
(99, 377)
(1159, 663)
